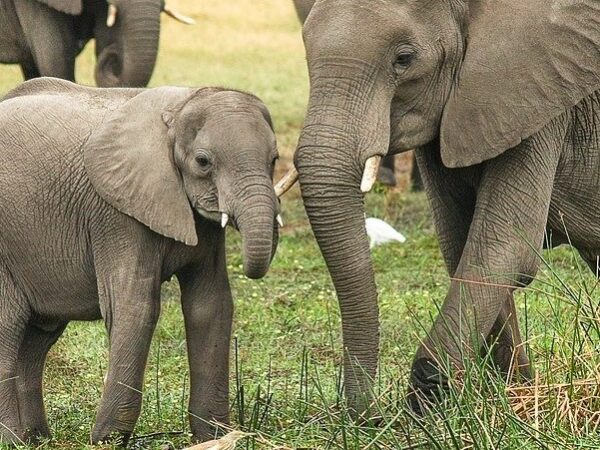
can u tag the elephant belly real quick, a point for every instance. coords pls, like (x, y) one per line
(57, 287)
(574, 214)
(49, 256)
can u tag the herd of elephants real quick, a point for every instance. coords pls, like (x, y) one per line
(105, 193)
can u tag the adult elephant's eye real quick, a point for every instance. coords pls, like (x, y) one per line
(403, 60)
(203, 161)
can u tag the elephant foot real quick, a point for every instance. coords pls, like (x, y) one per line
(427, 386)
(35, 435)
(205, 430)
(386, 176)
(10, 436)
(110, 434)
(115, 438)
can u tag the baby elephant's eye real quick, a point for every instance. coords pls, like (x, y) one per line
(203, 161)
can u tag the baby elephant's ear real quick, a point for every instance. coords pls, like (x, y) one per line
(129, 160)
(527, 62)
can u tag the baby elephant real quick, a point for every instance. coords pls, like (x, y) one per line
(105, 194)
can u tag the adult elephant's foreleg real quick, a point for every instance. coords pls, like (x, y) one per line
(500, 254)
(30, 368)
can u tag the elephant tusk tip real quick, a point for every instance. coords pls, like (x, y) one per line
(224, 220)
(286, 183)
(111, 16)
(370, 173)
(280, 220)
(178, 16)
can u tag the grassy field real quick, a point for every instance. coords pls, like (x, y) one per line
(286, 360)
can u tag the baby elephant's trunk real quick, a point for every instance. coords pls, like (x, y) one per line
(256, 220)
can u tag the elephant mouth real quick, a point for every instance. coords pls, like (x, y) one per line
(217, 216)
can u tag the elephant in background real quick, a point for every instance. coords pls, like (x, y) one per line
(303, 8)
(502, 100)
(45, 36)
(106, 193)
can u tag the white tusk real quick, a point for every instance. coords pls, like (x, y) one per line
(286, 183)
(280, 220)
(178, 16)
(111, 17)
(370, 173)
(224, 220)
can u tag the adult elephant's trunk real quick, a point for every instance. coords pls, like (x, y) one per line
(255, 217)
(129, 61)
(346, 125)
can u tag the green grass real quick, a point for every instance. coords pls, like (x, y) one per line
(285, 377)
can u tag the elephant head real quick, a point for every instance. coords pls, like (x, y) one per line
(170, 154)
(390, 75)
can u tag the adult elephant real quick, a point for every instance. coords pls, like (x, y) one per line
(45, 36)
(502, 100)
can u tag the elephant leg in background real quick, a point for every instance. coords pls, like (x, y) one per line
(14, 315)
(416, 181)
(130, 304)
(29, 70)
(51, 41)
(207, 311)
(513, 198)
(387, 171)
(30, 369)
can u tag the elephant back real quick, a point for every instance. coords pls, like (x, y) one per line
(95, 97)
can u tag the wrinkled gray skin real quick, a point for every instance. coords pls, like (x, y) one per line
(508, 134)
(45, 36)
(96, 188)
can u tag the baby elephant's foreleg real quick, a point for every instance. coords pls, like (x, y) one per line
(131, 312)
(207, 309)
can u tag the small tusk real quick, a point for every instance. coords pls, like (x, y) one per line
(178, 16)
(370, 173)
(286, 183)
(111, 17)
(280, 220)
(224, 220)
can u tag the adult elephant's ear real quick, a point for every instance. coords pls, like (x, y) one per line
(129, 160)
(526, 63)
(73, 7)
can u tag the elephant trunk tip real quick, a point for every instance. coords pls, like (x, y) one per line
(255, 273)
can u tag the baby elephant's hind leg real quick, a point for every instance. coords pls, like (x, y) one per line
(30, 368)
(14, 315)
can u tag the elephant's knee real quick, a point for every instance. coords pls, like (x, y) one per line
(528, 270)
